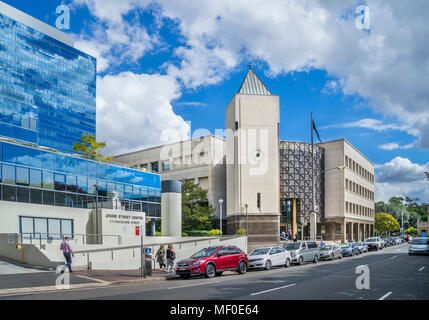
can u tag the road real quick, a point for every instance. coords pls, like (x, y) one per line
(393, 276)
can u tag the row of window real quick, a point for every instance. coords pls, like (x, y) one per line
(46, 228)
(154, 166)
(357, 209)
(359, 190)
(72, 200)
(35, 178)
(358, 169)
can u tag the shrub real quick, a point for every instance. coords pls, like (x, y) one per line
(411, 231)
(198, 233)
(241, 232)
(158, 234)
(215, 232)
(184, 234)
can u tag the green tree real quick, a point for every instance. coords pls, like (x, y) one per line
(385, 223)
(411, 231)
(91, 148)
(197, 212)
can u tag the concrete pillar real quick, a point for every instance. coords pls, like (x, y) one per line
(344, 227)
(171, 208)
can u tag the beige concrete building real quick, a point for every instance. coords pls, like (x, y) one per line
(201, 160)
(266, 183)
(349, 194)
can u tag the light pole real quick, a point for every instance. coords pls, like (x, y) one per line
(340, 168)
(220, 215)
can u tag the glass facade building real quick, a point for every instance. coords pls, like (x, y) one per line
(31, 175)
(47, 88)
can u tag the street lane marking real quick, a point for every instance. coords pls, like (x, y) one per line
(393, 257)
(398, 249)
(289, 285)
(421, 268)
(385, 296)
(193, 285)
(93, 279)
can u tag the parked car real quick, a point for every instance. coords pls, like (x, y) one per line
(349, 249)
(269, 257)
(419, 245)
(362, 246)
(213, 261)
(302, 252)
(374, 243)
(385, 242)
(330, 252)
(392, 241)
(398, 240)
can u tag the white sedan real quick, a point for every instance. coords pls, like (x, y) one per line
(269, 257)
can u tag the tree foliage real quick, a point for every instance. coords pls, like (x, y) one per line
(385, 223)
(413, 210)
(91, 148)
(197, 212)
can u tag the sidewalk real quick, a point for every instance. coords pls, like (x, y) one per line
(26, 283)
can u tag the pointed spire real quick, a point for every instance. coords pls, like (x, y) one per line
(252, 85)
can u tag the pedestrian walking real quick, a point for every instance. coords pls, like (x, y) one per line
(290, 235)
(171, 258)
(67, 252)
(161, 257)
(283, 236)
(322, 244)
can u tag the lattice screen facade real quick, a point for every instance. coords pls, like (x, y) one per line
(296, 177)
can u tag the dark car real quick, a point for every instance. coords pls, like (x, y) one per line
(213, 262)
(349, 249)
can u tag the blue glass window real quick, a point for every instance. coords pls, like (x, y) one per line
(82, 183)
(48, 180)
(22, 176)
(82, 167)
(71, 183)
(22, 156)
(92, 169)
(128, 192)
(35, 158)
(60, 182)
(91, 184)
(48, 161)
(9, 176)
(35, 178)
(72, 165)
(120, 188)
(60, 163)
(9, 153)
(111, 186)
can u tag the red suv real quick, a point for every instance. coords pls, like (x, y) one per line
(212, 262)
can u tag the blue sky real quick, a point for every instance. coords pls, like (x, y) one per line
(179, 62)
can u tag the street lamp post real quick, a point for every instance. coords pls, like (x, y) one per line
(247, 220)
(220, 215)
(340, 168)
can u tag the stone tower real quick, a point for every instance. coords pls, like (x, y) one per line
(252, 174)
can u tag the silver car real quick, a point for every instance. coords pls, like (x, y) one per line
(269, 257)
(331, 252)
(419, 246)
(302, 252)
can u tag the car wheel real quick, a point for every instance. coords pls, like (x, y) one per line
(353, 253)
(287, 263)
(316, 259)
(301, 261)
(210, 271)
(341, 255)
(242, 267)
(268, 265)
(185, 276)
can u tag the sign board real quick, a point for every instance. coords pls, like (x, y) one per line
(12, 238)
(137, 231)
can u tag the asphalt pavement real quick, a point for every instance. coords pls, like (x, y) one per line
(393, 275)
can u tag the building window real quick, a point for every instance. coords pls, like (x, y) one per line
(258, 201)
(143, 167)
(166, 166)
(154, 166)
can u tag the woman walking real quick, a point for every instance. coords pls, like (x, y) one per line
(171, 258)
(161, 258)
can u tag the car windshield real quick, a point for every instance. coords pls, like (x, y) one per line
(420, 241)
(326, 248)
(370, 240)
(293, 246)
(205, 253)
(261, 251)
(345, 245)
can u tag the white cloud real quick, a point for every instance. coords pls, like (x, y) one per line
(393, 146)
(134, 112)
(401, 177)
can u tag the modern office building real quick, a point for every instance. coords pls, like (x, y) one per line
(47, 101)
(267, 183)
(47, 87)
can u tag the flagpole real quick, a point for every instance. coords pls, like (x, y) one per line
(312, 178)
